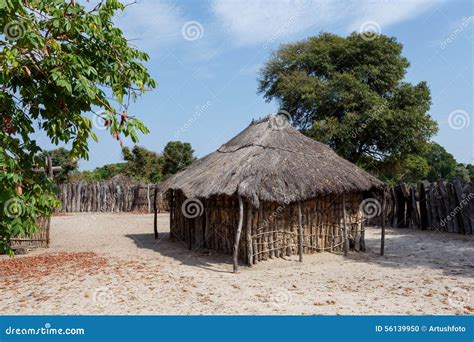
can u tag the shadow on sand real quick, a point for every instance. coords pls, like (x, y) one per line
(412, 248)
(404, 248)
(179, 250)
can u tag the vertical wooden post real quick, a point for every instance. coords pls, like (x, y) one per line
(237, 235)
(50, 167)
(344, 232)
(148, 197)
(249, 236)
(155, 211)
(50, 174)
(172, 214)
(300, 240)
(382, 238)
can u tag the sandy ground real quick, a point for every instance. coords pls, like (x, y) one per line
(111, 264)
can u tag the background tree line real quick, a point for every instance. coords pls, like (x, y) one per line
(139, 164)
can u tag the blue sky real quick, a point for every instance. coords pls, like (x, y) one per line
(205, 56)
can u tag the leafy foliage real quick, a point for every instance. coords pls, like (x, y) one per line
(442, 163)
(101, 173)
(59, 61)
(349, 93)
(176, 156)
(142, 164)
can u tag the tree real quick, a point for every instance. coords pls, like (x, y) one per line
(142, 165)
(176, 156)
(58, 62)
(470, 168)
(442, 163)
(62, 157)
(394, 169)
(100, 173)
(349, 93)
(462, 173)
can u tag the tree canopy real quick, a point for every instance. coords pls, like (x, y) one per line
(176, 156)
(59, 62)
(142, 165)
(350, 94)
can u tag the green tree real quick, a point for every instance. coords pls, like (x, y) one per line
(442, 163)
(462, 173)
(142, 165)
(176, 156)
(349, 93)
(100, 173)
(415, 169)
(62, 157)
(58, 62)
(470, 168)
(393, 169)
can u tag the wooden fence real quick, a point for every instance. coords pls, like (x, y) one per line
(441, 206)
(41, 237)
(38, 239)
(109, 196)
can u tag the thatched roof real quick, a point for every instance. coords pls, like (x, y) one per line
(271, 161)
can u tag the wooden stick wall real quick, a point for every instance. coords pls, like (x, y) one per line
(110, 196)
(441, 206)
(272, 230)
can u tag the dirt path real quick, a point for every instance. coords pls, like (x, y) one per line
(110, 264)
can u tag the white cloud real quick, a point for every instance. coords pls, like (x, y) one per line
(261, 21)
(151, 23)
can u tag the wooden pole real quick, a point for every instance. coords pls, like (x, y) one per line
(344, 232)
(300, 240)
(237, 235)
(148, 197)
(249, 236)
(382, 238)
(50, 167)
(155, 210)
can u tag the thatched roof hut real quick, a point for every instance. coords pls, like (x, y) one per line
(271, 169)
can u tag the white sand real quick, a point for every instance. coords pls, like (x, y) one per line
(421, 273)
